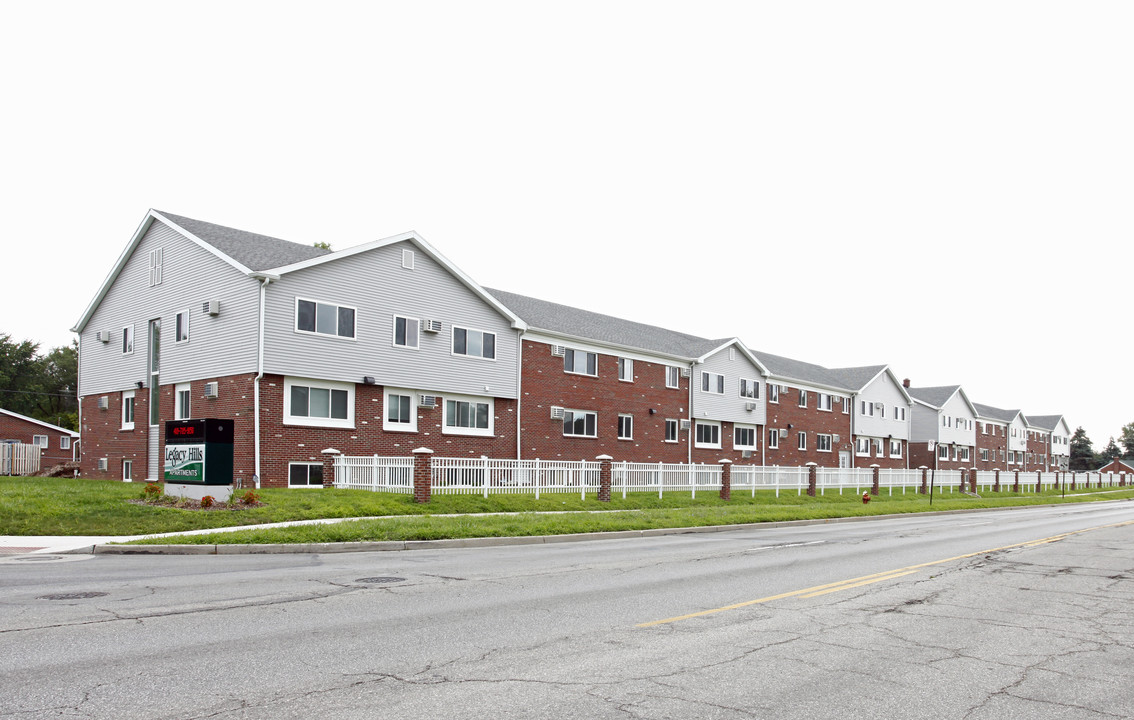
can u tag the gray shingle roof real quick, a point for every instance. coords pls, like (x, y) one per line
(253, 251)
(856, 378)
(934, 396)
(1047, 422)
(570, 321)
(785, 367)
(995, 413)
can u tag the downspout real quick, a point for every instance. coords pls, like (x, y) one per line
(520, 394)
(764, 440)
(692, 417)
(853, 439)
(264, 281)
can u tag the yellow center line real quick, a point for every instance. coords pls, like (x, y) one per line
(876, 577)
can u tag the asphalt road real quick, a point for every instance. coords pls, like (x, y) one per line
(1019, 613)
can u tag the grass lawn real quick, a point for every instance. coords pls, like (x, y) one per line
(65, 506)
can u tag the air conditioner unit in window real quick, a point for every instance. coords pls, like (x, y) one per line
(211, 390)
(685, 372)
(211, 307)
(102, 463)
(558, 351)
(427, 401)
(103, 336)
(686, 424)
(556, 412)
(431, 326)
(103, 402)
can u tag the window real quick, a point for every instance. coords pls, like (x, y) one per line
(155, 266)
(407, 259)
(626, 369)
(942, 452)
(625, 427)
(671, 431)
(579, 423)
(324, 318)
(40, 441)
(867, 409)
(801, 441)
(773, 393)
(406, 331)
(712, 383)
(182, 327)
(579, 362)
(64, 442)
(803, 398)
(878, 448)
(708, 435)
(399, 414)
(181, 397)
(749, 388)
(744, 437)
(881, 411)
(823, 443)
(773, 438)
(128, 410)
(964, 452)
(899, 413)
(846, 406)
(862, 447)
(319, 403)
(468, 416)
(672, 377)
(824, 402)
(127, 470)
(984, 454)
(474, 343)
(128, 340)
(895, 448)
(305, 475)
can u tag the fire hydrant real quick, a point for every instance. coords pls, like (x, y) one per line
(865, 498)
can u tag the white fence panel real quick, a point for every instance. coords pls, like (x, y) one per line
(386, 474)
(19, 459)
(840, 478)
(659, 477)
(897, 478)
(485, 476)
(775, 478)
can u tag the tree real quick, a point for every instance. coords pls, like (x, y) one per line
(41, 387)
(322, 245)
(1127, 441)
(1109, 453)
(1082, 454)
(19, 375)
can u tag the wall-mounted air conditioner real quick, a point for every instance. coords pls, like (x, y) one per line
(103, 463)
(211, 390)
(431, 326)
(211, 307)
(749, 406)
(556, 412)
(558, 351)
(685, 372)
(103, 402)
(746, 454)
(103, 336)
(834, 438)
(427, 401)
(783, 432)
(783, 388)
(686, 424)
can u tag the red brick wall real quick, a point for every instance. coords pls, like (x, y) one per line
(1037, 449)
(16, 429)
(545, 384)
(812, 421)
(996, 442)
(920, 455)
(887, 462)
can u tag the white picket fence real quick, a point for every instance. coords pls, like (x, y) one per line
(19, 459)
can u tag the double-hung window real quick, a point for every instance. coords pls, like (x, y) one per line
(580, 423)
(671, 431)
(802, 400)
(41, 441)
(708, 434)
(406, 332)
(625, 427)
(322, 318)
(896, 449)
(773, 438)
(824, 402)
(823, 443)
(749, 388)
(580, 362)
(801, 441)
(773, 393)
(181, 327)
(318, 403)
(400, 413)
(625, 369)
(672, 377)
(181, 402)
(64, 442)
(712, 383)
(474, 343)
(846, 406)
(128, 410)
(468, 416)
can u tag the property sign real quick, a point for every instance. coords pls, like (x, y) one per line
(185, 463)
(198, 452)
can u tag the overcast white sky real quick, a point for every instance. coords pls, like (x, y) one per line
(945, 187)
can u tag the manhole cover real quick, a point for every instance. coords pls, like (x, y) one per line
(72, 596)
(380, 580)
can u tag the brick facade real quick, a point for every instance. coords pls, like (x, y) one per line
(788, 415)
(995, 442)
(24, 430)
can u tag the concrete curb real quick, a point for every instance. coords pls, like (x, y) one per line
(482, 542)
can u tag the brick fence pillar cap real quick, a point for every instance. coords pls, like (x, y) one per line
(725, 461)
(604, 457)
(330, 451)
(422, 451)
(875, 465)
(811, 464)
(922, 467)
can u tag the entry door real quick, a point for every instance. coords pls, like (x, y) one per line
(844, 458)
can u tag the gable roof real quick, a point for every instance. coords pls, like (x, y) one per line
(810, 373)
(993, 413)
(857, 378)
(571, 322)
(936, 397)
(253, 251)
(1047, 422)
(41, 423)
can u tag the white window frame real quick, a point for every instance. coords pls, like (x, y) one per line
(748, 430)
(157, 257)
(867, 408)
(895, 448)
(673, 377)
(801, 440)
(713, 442)
(846, 406)
(709, 380)
(182, 401)
(569, 419)
(472, 402)
(64, 442)
(749, 389)
(825, 403)
(963, 453)
(289, 419)
(308, 465)
(41, 441)
(128, 340)
(676, 425)
(625, 369)
(942, 451)
(878, 448)
(128, 423)
(410, 425)
(822, 442)
(127, 470)
(625, 426)
(802, 400)
(773, 439)
(468, 333)
(316, 332)
(862, 447)
(899, 413)
(572, 356)
(408, 322)
(181, 327)
(773, 393)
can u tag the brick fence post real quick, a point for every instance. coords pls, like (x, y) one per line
(604, 477)
(1016, 481)
(329, 467)
(726, 479)
(422, 475)
(1122, 479)
(1039, 481)
(924, 489)
(876, 483)
(1073, 480)
(996, 485)
(972, 480)
(812, 478)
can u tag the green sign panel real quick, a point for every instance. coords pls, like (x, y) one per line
(185, 463)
